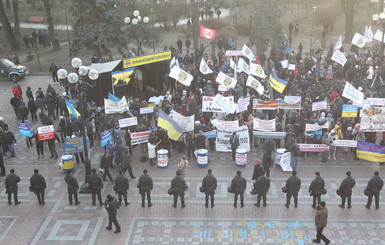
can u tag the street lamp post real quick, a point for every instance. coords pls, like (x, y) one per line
(136, 22)
(75, 80)
(312, 29)
(376, 18)
(68, 35)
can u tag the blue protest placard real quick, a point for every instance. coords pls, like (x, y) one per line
(74, 145)
(105, 137)
(24, 129)
(349, 110)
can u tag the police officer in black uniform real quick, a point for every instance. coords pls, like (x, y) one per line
(346, 189)
(11, 186)
(316, 188)
(178, 185)
(374, 187)
(145, 186)
(263, 185)
(72, 187)
(95, 184)
(121, 187)
(209, 185)
(38, 185)
(293, 185)
(238, 187)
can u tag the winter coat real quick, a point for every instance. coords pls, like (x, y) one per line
(121, 184)
(321, 217)
(9, 138)
(258, 171)
(317, 185)
(182, 167)
(234, 142)
(11, 182)
(111, 207)
(293, 184)
(347, 185)
(200, 142)
(375, 185)
(178, 184)
(95, 182)
(209, 184)
(72, 184)
(145, 183)
(38, 182)
(263, 184)
(238, 184)
(267, 161)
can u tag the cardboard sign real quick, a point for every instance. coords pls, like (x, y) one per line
(225, 104)
(105, 137)
(46, 132)
(127, 122)
(269, 135)
(139, 137)
(349, 110)
(321, 105)
(313, 147)
(223, 138)
(264, 125)
(208, 105)
(146, 110)
(24, 129)
(74, 145)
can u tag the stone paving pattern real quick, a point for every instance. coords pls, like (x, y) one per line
(59, 223)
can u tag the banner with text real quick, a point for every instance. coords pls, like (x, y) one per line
(46, 132)
(187, 123)
(208, 106)
(223, 138)
(264, 125)
(139, 137)
(127, 122)
(225, 104)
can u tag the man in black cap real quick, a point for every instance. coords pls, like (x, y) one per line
(316, 188)
(209, 185)
(38, 185)
(11, 186)
(96, 185)
(321, 221)
(263, 185)
(111, 205)
(345, 190)
(238, 187)
(121, 187)
(72, 187)
(178, 185)
(145, 186)
(293, 185)
(374, 187)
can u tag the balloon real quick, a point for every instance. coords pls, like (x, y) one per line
(83, 70)
(134, 21)
(62, 73)
(136, 13)
(76, 62)
(93, 74)
(73, 77)
(146, 20)
(127, 20)
(139, 18)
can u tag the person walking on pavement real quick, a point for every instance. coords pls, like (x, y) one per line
(267, 162)
(9, 141)
(258, 169)
(209, 185)
(374, 187)
(321, 221)
(263, 185)
(178, 185)
(295, 153)
(11, 186)
(121, 187)
(345, 190)
(238, 187)
(127, 164)
(38, 185)
(105, 164)
(96, 185)
(72, 187)
(2, 166)
(293, 185)
(316, 189)
(145, 186)
(234, 143)
(112, 206)
(53, 71)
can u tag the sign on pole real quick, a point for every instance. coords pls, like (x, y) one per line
(46, 132)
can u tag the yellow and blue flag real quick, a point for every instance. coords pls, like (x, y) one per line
(275, 82)
(123, 76)
(174, 129)
(370, 152)
(71, 109)
(113, 97)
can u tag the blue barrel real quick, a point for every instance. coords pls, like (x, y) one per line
(162, 158)
(202, 158)
(241, 158)
(67, 163)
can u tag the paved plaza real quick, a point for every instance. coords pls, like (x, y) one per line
(59, 223)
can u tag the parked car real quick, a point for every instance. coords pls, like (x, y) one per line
(10, 70)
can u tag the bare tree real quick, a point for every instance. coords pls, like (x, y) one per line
(9, 35)
(51, 29)
(15, 5)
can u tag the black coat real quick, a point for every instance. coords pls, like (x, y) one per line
(11, 182)
(9, 138)
(263, 184)
(95, 182)
(238, 184)
(119, 153)
(38, 182)
(72, 184)
(145, 183)
(200, 142)
(375, 185)
(209, 184)
(317, 185)
(267, 161)
(258, 171)
(347, 185)
(178, 184)
(111, 207)
(293, 184)
(121, 184)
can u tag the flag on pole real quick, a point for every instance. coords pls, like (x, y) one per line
(243, 66)
(275, 82)
(181, 76)
(204, 68)
(359, 40)
(174, 62)
(71, 109)
(247, 52)
(339, 43)
(207, 33)
(368, 33)
(174, 130)
(116, 99)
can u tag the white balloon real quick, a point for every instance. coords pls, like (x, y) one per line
(146, 19)
(136, 13)
(134, 21)
(127, 20)
(93, 74)
(73, 78)
(62, 73)
(83, 71)
(139, 18)
(76, 62)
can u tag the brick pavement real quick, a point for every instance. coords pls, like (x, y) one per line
(59, 223)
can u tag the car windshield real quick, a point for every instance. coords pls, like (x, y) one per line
(8, 63)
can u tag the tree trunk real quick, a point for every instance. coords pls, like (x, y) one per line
(15, 4)
(9, 35)
(51, 29)
(349, 19)
(195, 20)
(8, 4)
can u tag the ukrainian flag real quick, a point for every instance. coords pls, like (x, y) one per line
(124, 76)
(113, 97)
(174, 130)
(277, 83)
(370, 152)
(71, 109)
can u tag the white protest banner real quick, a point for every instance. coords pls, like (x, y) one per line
(359, 40)
(352, 93)
(377, 101)
(284, 64)
(223, 138)
(187, 123)
(233, 65)
(243, 66)
(264, 125)
(368, 33)
(224, 103)
(365, 105)
(373, 119)
(339, 57)
(225, 124)
(338, 43)
(139, 137)
(181, 76)
(204, 68)
(208, 106)
(345, 143)
(269, 135)
(320, 105)
(243, 103)
(293, 99)
(111, 107)
(284, 160)
(313, 147)
(314, 127)
(247, 52)
(255, 84)
(127, 122)
(145, 110)
(225, 80)
(378, 36)
(234, 53)
(46, 132)
(291, 67)
(223, 88)
(257, 70)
